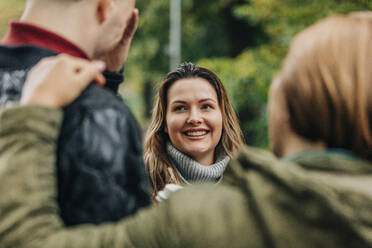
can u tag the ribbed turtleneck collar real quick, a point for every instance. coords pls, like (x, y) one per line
(191, 171)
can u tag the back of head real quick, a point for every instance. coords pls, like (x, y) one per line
(96, 26)
(326, 81)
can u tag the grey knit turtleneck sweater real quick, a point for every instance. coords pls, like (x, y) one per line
(191, 171)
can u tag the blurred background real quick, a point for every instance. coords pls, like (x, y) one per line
(242, 41)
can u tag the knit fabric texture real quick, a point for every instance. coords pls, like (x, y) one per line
(191, 171)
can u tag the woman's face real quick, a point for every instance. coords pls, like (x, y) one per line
(194, 118)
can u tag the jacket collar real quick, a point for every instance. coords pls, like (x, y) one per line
(250, 159)
(22, 33)
(337, 160)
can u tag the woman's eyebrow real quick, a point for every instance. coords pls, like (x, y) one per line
(178, 101)
(207, 99)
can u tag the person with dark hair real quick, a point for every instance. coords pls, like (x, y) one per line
(316, 193)
(100, 169)
(193, 133)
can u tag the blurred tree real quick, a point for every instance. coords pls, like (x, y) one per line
(9, 9)
(243, 41)
(210, 30)
(255, 67)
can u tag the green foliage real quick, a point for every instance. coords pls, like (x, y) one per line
(243, 41)
(280, 21)
(9, 9)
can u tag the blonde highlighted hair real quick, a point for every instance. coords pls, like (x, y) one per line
(326, 80)
(159, 168)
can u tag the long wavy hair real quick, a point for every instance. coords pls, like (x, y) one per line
(158, 166)
(326, 80)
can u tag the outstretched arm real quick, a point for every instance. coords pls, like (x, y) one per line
(28, 209)
(29, 212)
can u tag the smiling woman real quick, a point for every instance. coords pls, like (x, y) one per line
(194, 119)
(194, 130)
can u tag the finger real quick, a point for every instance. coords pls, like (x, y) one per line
(101, 66)
(100, 79)
(131, 26)
(136, 16)
(90, 72)
(69, 60)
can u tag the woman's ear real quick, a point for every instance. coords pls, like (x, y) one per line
(102, 10)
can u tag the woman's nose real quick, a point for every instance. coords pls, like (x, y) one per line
(194, 118)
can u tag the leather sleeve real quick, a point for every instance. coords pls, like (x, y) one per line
(101, 173)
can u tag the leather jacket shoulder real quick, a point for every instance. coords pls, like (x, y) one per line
(100, 169)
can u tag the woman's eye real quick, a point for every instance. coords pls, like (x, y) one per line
(179, 108)
(207, 106)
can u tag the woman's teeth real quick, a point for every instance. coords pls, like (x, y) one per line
(196, 133)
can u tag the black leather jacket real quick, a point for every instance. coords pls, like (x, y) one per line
(101, 174)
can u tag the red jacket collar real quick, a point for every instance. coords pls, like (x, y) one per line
(21, 33)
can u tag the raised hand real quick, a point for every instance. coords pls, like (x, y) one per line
(115, 59)
(57, 81)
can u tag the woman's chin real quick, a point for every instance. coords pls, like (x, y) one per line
(198, 153)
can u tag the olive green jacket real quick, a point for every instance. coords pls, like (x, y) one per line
(318, 199)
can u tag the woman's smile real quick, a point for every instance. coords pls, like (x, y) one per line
(196, 133)
(194, 118)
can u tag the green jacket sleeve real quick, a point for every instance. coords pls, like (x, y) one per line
(28, 208)
(29, 213)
